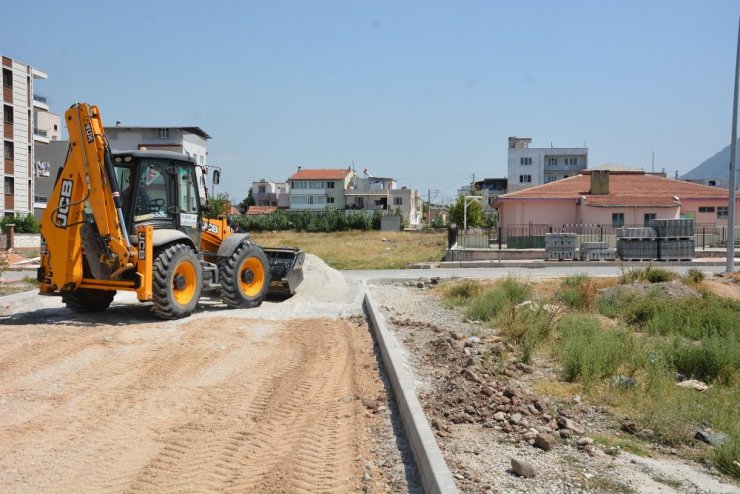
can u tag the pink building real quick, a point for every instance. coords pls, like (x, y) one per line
(617, 198)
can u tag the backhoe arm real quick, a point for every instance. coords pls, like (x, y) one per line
(87, 181)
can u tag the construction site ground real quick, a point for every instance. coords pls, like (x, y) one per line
(288, 397)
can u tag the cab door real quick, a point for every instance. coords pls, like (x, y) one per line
(188, 202)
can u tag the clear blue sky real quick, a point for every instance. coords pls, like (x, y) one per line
(426, 92)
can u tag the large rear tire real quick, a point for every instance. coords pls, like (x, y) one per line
(176, 282)
(244, 277)
(88, 300)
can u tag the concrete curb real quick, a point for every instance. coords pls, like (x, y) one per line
(436, 477)
(546, 264)
(17, 297)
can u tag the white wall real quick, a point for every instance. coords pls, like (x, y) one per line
(538, 167)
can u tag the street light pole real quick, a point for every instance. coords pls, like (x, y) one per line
(733, 172)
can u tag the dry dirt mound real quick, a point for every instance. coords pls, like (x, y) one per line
(321, 283)
(668, 289)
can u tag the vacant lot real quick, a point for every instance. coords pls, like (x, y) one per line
(287, 397)
(362, 250)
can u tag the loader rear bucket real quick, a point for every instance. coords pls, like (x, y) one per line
(286, 268)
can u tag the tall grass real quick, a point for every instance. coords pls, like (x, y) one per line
(578, 292)
(650, 274)
(488, 305)
(589, 353)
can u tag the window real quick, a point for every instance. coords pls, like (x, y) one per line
(550, 178)
(722, 212)
(152, 197)
(525, 161)
(330, 200)
(7, 78)
(187, 197)
(329, 185)
(525, 179)
(164, 133)
(8, 114)
(706, 209)
(261, 189)
(9, 186)
(9, 150)
(571, 161)
(712, 183)
(398, 201)
(552, 161)
(647, 218)
(617, 219)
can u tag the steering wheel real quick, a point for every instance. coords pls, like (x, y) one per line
(155, 205)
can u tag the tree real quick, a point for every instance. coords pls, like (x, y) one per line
(474, 210)
(246, 203)
(219, 205)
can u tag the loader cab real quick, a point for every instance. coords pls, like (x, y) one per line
(159, 188)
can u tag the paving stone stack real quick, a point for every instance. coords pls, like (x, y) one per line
(637, 244)
(597, 251)
(675, 239)
(560, 246)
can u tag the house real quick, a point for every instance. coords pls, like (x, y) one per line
(266, 193)
(617, 198)
(490, 189)
(185, 140)
(25, 124)
(312, 189)
(529, 167)
(383, 193)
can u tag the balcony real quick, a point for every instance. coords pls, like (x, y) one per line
(40, 102)
(41, 136)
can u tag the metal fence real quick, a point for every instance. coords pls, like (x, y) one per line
(532, 236)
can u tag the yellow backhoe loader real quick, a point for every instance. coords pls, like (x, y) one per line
(134, 221)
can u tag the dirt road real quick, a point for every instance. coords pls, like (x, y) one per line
(207, 404)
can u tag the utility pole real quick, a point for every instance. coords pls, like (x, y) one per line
(733, 151)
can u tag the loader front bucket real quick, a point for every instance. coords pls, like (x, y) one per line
(286, 268)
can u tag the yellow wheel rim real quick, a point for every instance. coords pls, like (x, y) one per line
(251, 276)
(185, 272)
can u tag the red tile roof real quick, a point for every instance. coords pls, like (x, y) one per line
(625, 189)
(255, 210)
(321, 174)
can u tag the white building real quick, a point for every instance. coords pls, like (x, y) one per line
(313, 189)
(266, 193)
(528, 166)
(186, 140)
(21, 110)
(371, 193)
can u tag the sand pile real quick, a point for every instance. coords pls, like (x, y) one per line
(321, 283)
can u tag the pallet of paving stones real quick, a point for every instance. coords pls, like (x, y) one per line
(560, 241)
(676, 249)
(637, 249)
(599, 255)
(673, 228)
(635, 232)
(560, 255)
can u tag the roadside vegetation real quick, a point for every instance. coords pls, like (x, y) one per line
(362, 249)
(326, 220)
(628, 349)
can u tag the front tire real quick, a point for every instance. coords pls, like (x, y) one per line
(88, 300)
(244, 277)
(176, 282)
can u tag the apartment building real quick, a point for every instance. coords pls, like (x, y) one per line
(528, 166)
(22, 109)
(319, 188)
(186, 140)
(267, 193)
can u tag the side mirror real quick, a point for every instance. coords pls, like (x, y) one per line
(216, 176)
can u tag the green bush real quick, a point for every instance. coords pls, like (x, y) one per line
(587, 352)
(695, 275)
(694, 317)
(325, 220)
(711, 358)
(509, 292)
(650, 274)
(578, 292)
(23, 224)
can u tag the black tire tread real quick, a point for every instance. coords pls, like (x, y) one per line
(88, 300)
(164, 305)
(231, 293)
